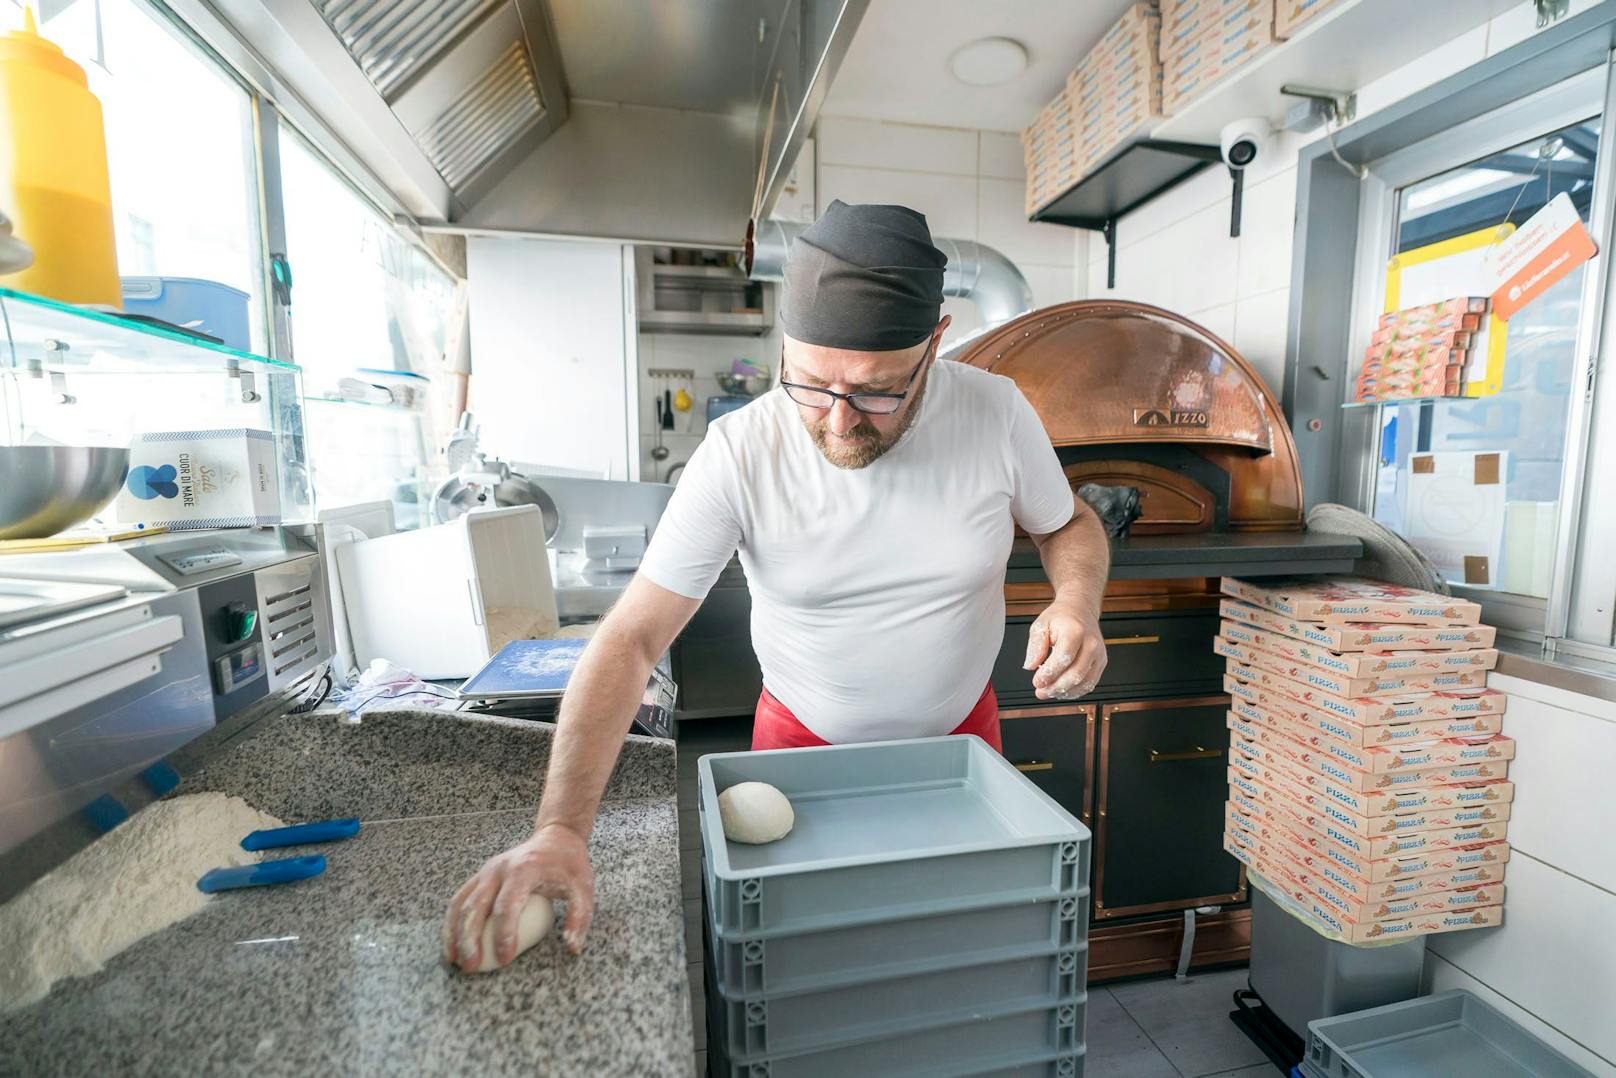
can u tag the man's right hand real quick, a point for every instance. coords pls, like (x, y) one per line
(554, 862)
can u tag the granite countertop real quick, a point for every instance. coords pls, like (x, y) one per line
(341, 973)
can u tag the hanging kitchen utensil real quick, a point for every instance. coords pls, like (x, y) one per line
(667, 409)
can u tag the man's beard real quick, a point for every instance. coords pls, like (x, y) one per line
(863, 445)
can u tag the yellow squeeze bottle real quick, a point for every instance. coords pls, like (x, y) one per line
(53, 172)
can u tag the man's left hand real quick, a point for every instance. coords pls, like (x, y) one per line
(1064, 646)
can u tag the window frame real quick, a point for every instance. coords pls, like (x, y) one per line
(1578, 98)
(1325, 320)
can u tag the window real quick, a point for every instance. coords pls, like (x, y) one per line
(180, 148)
(1524, 423)
(364, 300)
(1513, 478)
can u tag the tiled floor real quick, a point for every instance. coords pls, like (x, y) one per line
(1159, 1028)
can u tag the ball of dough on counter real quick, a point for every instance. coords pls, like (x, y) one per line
(754, 813)
(532, 925)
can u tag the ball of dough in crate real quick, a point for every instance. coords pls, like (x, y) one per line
(754, 813)
(532, 925)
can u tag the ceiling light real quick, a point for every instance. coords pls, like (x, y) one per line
(991, 61)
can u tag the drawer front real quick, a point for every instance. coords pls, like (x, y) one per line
(1054, 747)
(1159, 804)
(1154, 653)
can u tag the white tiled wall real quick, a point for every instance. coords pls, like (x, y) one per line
(1176, 252)
(706, 356)
(968, 183)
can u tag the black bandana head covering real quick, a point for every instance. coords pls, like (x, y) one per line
(863, 277)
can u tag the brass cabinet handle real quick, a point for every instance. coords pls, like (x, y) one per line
(1035, 765)
(1199, 754)
(1113, 641)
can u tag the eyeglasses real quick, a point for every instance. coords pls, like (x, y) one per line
(868, 403)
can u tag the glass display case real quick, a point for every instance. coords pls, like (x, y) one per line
(75, 376)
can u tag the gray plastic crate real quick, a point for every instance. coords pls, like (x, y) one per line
(886, 830)
(806, 1021)
(1002, 1041)
(1448, 1033)
(810, 961)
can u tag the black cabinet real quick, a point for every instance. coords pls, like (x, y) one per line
(1156, 653)
(1162, 767)
(713, 661)
(1054, 747)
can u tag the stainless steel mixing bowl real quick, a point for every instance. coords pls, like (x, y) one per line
(46, 488)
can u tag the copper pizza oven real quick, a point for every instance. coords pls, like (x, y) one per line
(1136, 396)
(1132, 395)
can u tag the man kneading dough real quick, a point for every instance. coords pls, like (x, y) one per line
(873, 497)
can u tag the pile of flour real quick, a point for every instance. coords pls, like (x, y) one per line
(137, 879)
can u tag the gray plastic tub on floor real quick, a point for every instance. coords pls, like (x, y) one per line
(883, 831)
(1301, 976)
(1448, 1033)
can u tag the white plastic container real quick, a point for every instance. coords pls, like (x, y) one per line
(441, 601)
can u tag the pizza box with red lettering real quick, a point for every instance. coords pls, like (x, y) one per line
(1416, 756)
(1376, 711)
(1362, 637)
(1250, 851)
(1352, 912)
(1360, 664)
(1377, 802)
(1341, 685)
(1286, 813)
(1271, 748)
(1357, 733)
(1274, 787)
(1374, 870)
(1341, 600)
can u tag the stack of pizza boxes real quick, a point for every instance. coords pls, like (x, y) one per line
(1368, 778)
(1422, 351)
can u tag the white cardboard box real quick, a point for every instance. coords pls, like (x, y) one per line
(201, 479)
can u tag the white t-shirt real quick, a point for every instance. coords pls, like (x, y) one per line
(877, 593)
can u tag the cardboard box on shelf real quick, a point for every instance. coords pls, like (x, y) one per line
(1291, 14)
(201, 479)
(1360, 663)
(1458, 313)
(1345, 600)
(1341, 685)
(1362, 637)
(1264, 747)
(1373, 711)
(1351, 732)
(1319, 850)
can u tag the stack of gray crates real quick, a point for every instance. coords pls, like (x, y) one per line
(927, 915)
(1449, 1033)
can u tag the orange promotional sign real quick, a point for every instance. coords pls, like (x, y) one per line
(1539, 254)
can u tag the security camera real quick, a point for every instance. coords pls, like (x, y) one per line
(1243, 140)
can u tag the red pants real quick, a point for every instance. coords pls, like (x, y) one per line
(775, 727)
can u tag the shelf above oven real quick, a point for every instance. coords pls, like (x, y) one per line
(1163, 557)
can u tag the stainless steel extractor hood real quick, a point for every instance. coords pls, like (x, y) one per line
(666, 121)
(476, 83)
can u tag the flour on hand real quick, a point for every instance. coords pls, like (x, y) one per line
(137, 879)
